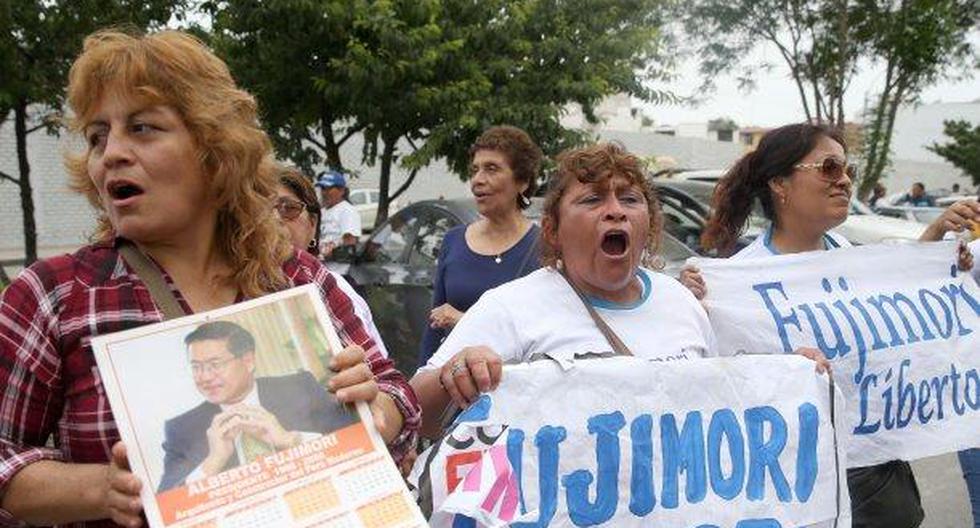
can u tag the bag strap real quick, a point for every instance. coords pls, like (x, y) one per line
(159, 290)
(617, 344)
(833, 426)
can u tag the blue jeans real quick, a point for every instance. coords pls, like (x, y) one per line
(970, 462)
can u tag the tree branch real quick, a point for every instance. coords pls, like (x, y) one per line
(35, 128)
(404, 186)
(350, 132)
(5, 176)
(309, 137)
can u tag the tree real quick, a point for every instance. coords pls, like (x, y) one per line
(963, 150)
(38, 42)
(919, 42)
(287, 53)
(821, 41)
(814, 38)
(420, 79)
(534, 58)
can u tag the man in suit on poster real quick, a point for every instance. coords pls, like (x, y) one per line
(243, 417)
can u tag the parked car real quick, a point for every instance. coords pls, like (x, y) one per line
(922, 215)
(687, 205)
(394, 269)
(865, 226)
(366, 203)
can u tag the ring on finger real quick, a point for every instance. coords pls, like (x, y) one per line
(457, 367)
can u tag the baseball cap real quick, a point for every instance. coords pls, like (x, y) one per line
(330, 178)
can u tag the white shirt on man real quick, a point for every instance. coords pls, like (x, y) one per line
(339, 220)
(540, 315)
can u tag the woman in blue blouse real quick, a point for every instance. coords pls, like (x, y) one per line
(499, 247)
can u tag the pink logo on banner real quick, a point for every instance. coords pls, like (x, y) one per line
(456, 465)
(503, 484)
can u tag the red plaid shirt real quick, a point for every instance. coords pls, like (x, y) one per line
(48, 376)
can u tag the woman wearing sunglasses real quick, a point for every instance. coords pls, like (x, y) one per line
(299, 212)
(800, 175)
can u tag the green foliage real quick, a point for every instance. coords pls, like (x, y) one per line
(39, 40)
(821, 42)
(534, 57)
(919, 43)
(963, 150)
(420, 79)
(814, 38)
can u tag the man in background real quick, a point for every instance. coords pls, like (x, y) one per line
(340, 225)
(917, 197)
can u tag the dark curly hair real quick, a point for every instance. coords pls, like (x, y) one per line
(749, 178)
(522, 153)
(594, 164)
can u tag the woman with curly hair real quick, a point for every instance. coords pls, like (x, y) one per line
(601, 219)
(182, 178)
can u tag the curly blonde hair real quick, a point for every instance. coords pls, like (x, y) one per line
(598, 163)
(176, 69)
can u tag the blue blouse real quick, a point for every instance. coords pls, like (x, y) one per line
(462, 276)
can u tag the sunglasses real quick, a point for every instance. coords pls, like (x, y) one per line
(289, 209)
(831, 169)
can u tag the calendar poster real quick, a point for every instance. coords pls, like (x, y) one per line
(228, 422)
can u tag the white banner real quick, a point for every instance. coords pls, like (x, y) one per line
(743, 442)
(900, 325)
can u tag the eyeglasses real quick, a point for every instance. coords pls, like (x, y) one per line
(831, 169)
(214, 366)
(289, 209)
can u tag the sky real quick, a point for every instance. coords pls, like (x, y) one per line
(775, 99)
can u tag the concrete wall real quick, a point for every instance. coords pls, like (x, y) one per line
(63, 217)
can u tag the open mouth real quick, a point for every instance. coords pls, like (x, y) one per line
(615, 243)
(120, 190)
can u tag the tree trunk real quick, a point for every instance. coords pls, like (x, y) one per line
(404, 187)
(384, 183)
(802, 90)
(26, 196)
(332, 148)
(884, 152)
(874, 136)
(837, 91)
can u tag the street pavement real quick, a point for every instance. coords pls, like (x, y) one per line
(943, 492)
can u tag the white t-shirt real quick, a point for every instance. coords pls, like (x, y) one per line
(339, 220)
(762, 245)
(540, 314)
(361, 310)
